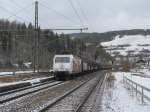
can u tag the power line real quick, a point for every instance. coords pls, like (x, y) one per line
(22, 9)
(13, 14)
(83, 13)
(76, 12)
(64, 16)
(15, 3)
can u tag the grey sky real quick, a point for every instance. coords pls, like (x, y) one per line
(98, 15)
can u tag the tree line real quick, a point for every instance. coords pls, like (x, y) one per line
(17, 45)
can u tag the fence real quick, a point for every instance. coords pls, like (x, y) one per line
(139, 89)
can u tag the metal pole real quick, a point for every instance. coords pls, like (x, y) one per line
(37, 27)
(36, 39)
(81, 50)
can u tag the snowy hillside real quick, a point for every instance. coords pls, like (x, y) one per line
(137, 44)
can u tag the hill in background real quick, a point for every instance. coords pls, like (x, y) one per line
(108, 36)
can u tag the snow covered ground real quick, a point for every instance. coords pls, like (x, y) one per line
(13, 73)
(138, 79)
(132, 40)
(33, 81)
(6, 73)
(135, 43)
(119, 99)
(145, 71)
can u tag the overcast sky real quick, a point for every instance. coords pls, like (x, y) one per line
(97, 15)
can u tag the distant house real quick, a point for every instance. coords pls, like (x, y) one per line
(141, 62)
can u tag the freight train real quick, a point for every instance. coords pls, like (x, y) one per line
(68, 66)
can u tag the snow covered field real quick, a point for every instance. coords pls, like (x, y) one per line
(119, 99)
(135, 43)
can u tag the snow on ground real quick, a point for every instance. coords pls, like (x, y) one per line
(6, 73)
(132, 40)
(19, 72)
(145, 71)
(119, 99)
(138, 79)
(13, 73)
(32, 81)
(135, 42)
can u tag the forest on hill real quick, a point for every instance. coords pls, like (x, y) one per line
(18, 45)
(108, 36)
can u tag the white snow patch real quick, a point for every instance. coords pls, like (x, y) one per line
(140, 80)
(28, 64)
(6, 73)
(11, 83)
(17, 72)
(118, 99)
(134, 41)
(32, 81)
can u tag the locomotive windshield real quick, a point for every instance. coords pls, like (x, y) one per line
(62, 60)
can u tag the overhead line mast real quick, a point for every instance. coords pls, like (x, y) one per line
(36, 38)
(81, 29)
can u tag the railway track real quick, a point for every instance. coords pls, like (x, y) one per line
(25, 88)
(82, 105)
(37, 101)
(93, 102)
(12, 95)
(58, 103)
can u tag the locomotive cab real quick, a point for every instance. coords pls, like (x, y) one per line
(62, 63)
(65, 66)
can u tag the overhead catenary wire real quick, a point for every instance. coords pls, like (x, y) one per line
(42, 5)
(15, 3)
(22, 9)
(76, 12)
(84, 14)
(6, 10)
(82, 11)
(58, 13)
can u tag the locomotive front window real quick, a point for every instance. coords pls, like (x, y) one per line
(62, 60)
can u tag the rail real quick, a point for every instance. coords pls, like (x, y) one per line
(101, 81)
(49, 105)
(138, 88)
(4, 99)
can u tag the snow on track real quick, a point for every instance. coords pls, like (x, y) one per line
(36, 80)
